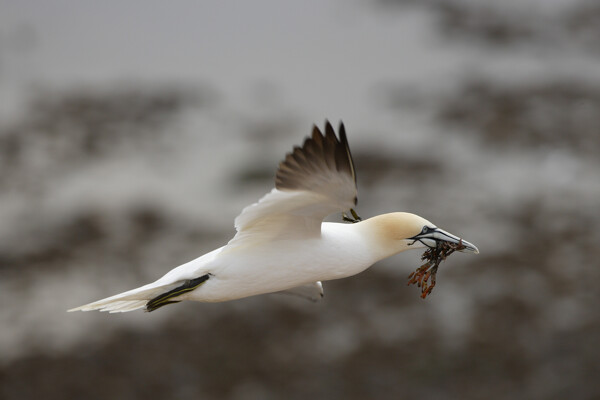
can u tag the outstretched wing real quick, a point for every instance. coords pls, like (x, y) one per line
(313, 181)
(322, 165)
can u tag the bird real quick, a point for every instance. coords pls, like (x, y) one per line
(282, 244)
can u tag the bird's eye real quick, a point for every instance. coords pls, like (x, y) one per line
(425, 229)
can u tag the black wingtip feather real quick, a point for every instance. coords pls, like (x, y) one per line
(319, 153)
(165, 298)
(344, 141)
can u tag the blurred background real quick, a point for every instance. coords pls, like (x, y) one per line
(132, 134)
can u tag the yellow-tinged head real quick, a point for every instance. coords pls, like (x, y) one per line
(399, 231)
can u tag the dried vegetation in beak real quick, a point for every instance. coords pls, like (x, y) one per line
(432, 257)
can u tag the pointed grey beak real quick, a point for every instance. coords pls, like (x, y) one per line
(431, 236)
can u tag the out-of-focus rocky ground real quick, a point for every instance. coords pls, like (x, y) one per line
(106, 188)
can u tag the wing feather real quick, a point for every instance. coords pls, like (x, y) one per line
(313, 181)
(322, 160)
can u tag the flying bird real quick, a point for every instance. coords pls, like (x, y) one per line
(282, 243)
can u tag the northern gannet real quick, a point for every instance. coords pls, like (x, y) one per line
(282, 243)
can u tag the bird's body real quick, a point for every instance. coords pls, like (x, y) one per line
(342, 250)
(281, 265)
(281, 242)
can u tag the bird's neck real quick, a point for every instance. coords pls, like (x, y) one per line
(383, 235)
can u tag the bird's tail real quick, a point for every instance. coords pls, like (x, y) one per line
(166, 298)
(127, 301)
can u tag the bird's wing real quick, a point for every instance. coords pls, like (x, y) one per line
(312, 291)
(313, 181)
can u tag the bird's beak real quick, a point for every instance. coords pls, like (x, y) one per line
(435, 235)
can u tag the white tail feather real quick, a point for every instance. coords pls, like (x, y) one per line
(127, 301)
(125, 306)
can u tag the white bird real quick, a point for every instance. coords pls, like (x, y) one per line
(282, 243)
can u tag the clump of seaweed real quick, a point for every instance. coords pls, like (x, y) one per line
(433, 256)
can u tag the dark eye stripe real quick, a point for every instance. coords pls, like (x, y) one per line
(427, 229)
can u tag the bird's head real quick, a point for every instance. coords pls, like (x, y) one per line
(399, 231)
